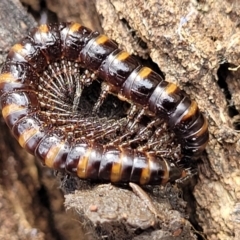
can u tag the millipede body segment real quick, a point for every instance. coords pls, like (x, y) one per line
(40, 87)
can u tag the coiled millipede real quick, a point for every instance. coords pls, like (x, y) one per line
(48, 70)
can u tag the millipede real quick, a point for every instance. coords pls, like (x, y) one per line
(41, 85)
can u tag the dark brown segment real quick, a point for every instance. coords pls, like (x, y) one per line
(16, 105)
(155, 101)
(22, 72)
(201, 140)
(27, 52)
(109, 155)
(182, 126)
(194, 145)
(140, 162)
(158, 169)
(180, 108)
(52, 150)
(12, 118)
(22, 98)
(127, 163)
(94, 160)
(29, 131)
(117, 67)
(140, 85)
(74, 38)
(77, 150)
(59, 159)
(96, 51)
(195, 126)
(16, 76)
(32, 143)
(166, 104)
(47, 39)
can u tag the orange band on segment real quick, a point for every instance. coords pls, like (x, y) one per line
(7, 78)
(144, 72)
(43, 28)
(202, 129)
(101, 39)
(25, 136)
(171, 88)
(52, 154)
(75, 27)
(191, 111)
(122, 55)
(165, 177)
(17, 48)
(116, 171)
(145, 175)
(11, 108)
(82, 164)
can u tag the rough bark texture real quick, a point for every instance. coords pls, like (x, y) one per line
(196, 45)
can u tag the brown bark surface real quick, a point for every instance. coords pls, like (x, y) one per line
(196, 44)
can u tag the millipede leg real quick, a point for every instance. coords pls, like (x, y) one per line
(132, 112)
(137, 139)
(150, 125)
(187, 177)
(82, 81)
(120, 140)
(77, 95)
(108, 129)
(137, 119)
(149, 146)
(103, 95)
(87, 78)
